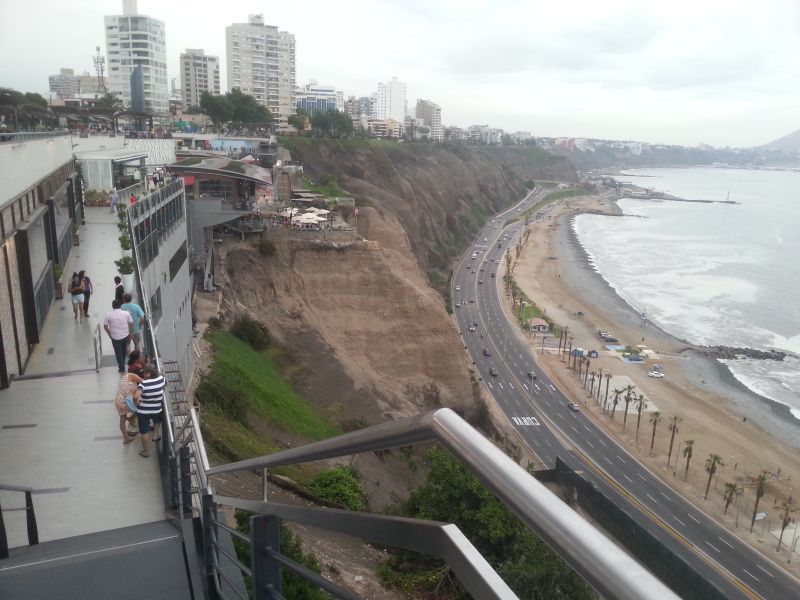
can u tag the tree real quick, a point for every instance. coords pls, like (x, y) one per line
(451, 493)
(332, 123)
(299, 120)
(628, 391)
(605, 400)
(761, 488)
(673, 428)
(245, 109)
(617, 394)
(712, 462)
(218, 108)
(731, 489)
(110, 101)
(687, 452)
(786, 518)
(655, 419)
(641, 404)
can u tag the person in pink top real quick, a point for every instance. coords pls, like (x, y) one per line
(119, 327)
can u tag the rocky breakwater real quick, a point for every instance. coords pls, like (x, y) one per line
(732, 353)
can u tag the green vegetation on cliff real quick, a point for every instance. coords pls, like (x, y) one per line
(452, 494)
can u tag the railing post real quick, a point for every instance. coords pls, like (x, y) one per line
(30, 518)
(186, 480)
(207, 521)
(3, 537)
(174, 496)
(265, 532)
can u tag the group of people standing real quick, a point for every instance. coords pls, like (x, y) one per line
(80, 290)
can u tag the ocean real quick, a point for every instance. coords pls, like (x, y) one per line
(712, 274)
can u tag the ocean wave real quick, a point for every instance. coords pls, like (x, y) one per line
(775, 380)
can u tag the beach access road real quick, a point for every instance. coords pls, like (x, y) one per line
(540, 412)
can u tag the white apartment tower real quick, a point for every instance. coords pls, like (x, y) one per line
(199, 74)
(261, 62)
(132, 40)
(390, 101)
(431, 113)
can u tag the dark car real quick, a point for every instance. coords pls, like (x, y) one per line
(486, 352)
(611, 340)
(492, 275)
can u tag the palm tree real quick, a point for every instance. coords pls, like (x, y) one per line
(786, 518)
(628, 391)
(641, 404)
(655, 419)
(588, 362)
(761, 488)
(608, 381)
(731, 489)
(616, 401)
(687, 452)
(673, 427)
(591, 385)
(712, 462)
(599, 383)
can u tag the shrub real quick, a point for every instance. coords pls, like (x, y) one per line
(251, 331)
(214, 323)
(266, 248)
(220, 393)
(340, 485)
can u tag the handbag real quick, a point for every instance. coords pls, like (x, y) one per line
(131, 404)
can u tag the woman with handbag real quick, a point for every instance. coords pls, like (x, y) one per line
(87, 292)
(76, 291)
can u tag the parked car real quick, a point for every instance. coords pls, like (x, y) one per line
(604, 334)
(480, 280)
(493, 372)
(486, 352)
(472, 328)
(492, 275)
(611, 340)
(656, 374)
(574, 407)
(458, 288)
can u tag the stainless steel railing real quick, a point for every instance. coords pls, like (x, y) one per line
(97, 345)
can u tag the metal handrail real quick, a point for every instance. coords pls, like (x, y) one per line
(30, 518)
(97, 345)
(608, 569)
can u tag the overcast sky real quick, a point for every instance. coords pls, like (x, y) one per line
(723, 72)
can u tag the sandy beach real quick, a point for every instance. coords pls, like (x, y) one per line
(717, 412)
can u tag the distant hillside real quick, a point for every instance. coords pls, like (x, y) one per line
(788, 143)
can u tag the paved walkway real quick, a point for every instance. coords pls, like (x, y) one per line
(60, 433)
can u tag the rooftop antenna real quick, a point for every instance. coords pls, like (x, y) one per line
(99, 66)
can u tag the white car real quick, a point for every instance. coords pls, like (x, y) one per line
(656, 374)
(458, 288)
(573, 406)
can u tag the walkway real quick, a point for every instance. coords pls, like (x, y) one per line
(59, 431)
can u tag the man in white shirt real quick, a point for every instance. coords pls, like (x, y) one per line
(119, 327)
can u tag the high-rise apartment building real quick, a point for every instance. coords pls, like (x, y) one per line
(313, 97)
(389, 102)
(64, 85)
(431, 113)
(261, 62)
(137, 40)
(199, 74)
(356, 107)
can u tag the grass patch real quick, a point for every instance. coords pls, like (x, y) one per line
(328, 186)
(266, 392)
(551, 197)
(530, 310)
(340, 485)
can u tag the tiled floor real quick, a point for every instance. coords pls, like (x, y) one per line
(61, 433)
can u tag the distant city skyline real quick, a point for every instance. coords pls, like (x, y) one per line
(716, 72)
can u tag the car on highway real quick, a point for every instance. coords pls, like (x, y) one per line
(492, 275)
(493, 372)
(483, 269)
(458, 288)
(475, 322)
(458, 304)
(485, 239)
(472, 300)
(472, 328)
(531, 375)
(486, 352)
(480, 280)
(574, 407)
(497, 260)
(656, 374)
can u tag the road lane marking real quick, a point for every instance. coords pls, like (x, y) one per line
(693, 519)
(552, 388)
(751, 575)
(628, 478)
(546, 402)
(500, 383)
(511, 386)
(546, 441)
(641, 476)
(560, 416)
(586, 428)
(713, 546)
(665, 496)
(622, 459)
(679, 521)
(608, 461)
(726, 543)
(537, 387)
(651, 498)
(489, 383)
(602, 442)
(525, 386)
(590, 443)
(573, 428)
(765, 571)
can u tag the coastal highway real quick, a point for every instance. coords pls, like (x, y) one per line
(539, 411)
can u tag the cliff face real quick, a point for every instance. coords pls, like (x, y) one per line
(440, 194)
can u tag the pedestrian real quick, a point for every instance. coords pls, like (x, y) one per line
(137, 314)
(114, 200)
(87, 291)
(136, 362)
(119, 290)
(119, 327)
(149, 406)
(133, 198)
(127, 389)
(76, 292)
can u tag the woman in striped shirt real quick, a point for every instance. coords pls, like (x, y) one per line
(150, 394)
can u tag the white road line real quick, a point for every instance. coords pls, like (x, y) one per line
(489, 383)
(651, 498)
(511, 386)
(500, 383)
(537, 387)
(525, 386)
(586, 428)
(573, 429)
(622, 459)
(608, 461)
(665, 496)
(713, 546)
(590, 443)
(692, 518)
(628, 478)
(765, 571)
(546, 441)
(602, 442)
(751, 575)
(641, 477)
(546, 402)
(552, 388)
(560, 416)
(679, 521)
(726, 543)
